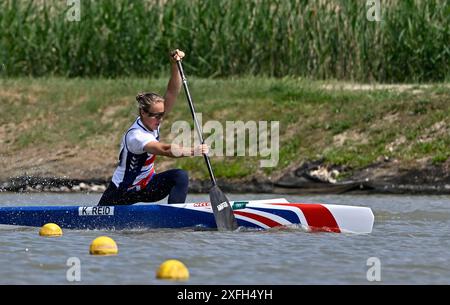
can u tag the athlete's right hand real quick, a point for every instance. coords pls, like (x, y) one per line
(176, 55)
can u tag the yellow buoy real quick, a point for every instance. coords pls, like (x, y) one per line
(172, 269)
(103, 245)
(50, 230)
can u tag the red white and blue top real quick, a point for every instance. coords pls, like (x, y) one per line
(136, 166)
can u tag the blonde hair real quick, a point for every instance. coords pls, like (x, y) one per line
(147, 99)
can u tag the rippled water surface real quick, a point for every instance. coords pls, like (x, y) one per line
(411, 239)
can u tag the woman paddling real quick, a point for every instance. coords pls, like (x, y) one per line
(134, 179)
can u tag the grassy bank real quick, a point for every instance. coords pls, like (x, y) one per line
(67, 127)
(314, 39)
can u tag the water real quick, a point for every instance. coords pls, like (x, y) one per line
(411, 239)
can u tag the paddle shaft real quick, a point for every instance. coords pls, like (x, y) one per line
(223, 212)
(194, 116)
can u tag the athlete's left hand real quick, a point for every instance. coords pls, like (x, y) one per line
(202, 149)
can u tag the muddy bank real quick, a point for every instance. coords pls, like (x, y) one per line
(69, 137)
(386, 177)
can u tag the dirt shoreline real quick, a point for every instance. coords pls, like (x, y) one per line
(395, 137)
(309, 178)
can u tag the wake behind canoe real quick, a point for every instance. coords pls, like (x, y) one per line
(261, 214)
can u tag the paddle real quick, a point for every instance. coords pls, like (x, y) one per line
(221, 206)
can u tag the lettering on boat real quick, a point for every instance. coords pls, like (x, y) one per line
(96, 211)
(237, 205)
(201, 204)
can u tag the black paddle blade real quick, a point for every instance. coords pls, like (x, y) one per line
(223, 212)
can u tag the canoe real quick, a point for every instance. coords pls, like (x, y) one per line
(259, 214)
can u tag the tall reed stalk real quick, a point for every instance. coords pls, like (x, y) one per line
(317, 39)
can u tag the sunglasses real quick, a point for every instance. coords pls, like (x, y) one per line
(156, 115)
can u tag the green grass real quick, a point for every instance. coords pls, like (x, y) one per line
(56, 112)
(316, 39)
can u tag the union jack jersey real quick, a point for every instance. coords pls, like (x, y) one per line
(135, 168)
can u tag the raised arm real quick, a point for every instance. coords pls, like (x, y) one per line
(174, 85)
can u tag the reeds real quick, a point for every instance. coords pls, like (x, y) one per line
(316, 39)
